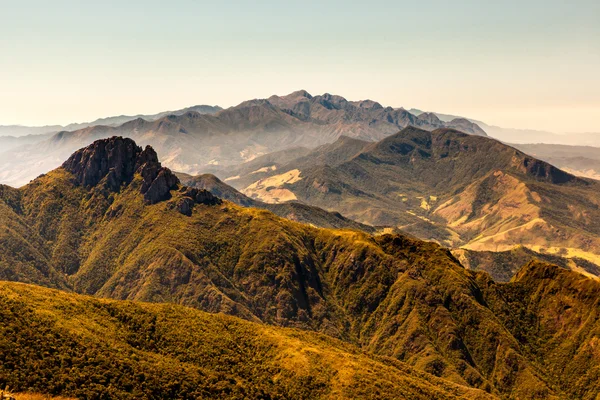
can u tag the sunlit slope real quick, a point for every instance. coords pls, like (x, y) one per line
(460, 190)
(58, 343)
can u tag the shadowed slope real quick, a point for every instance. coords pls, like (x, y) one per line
(555, 314)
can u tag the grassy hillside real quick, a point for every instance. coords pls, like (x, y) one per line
(291, 210)
(250, 263)
(25, 255)
(459, 190)
(503, 265)
(555, 315)
(72, 345)
(132, 235)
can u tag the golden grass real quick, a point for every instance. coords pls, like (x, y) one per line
(264, 169)
(269, 189)
(38, 396)
(195, 348)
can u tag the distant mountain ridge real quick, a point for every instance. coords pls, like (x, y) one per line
(577, 153)
(193, 142)
(20, 130)
(524, 136)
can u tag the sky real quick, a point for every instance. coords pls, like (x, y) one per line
(523, 64)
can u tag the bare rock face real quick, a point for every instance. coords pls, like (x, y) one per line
(159, 188)
(158, 181)
(116, 160)
(193, 196)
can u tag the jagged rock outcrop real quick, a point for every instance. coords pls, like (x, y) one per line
(115, 160)
(193, 196)
(158, 181)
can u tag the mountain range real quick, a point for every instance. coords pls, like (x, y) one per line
(501, 265)
(391, 316)
(577, 153)
(525, 136)
(258, 127)
(193, 142)
(20, 130)
(460, 190)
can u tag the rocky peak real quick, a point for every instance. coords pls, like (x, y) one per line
(430, 118)
(115, 161)
(191, 196)
(116, 157)
(299, 94)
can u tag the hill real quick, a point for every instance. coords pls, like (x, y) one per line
(20, 130)
(504, 265)
(460, 190)
(113, 223)
(571, 152)
(194, 142)
(577, 160)
(66, 344)
(524, 136)
(291, 210)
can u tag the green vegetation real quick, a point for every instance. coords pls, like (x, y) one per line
(24, 255)
(400, 300)
(555, 316)
(72, 345)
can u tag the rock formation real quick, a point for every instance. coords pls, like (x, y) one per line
(114, 162)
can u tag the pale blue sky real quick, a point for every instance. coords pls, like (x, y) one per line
(529, 64)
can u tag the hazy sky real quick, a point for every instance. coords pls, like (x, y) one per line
(528, 64)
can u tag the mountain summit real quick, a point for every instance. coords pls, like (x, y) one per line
(114, 161)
